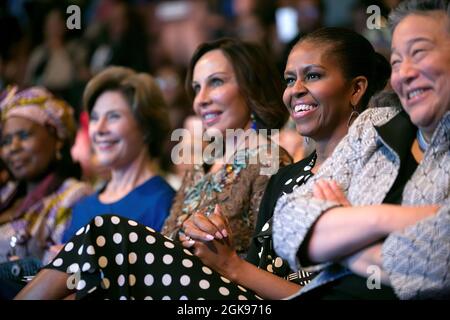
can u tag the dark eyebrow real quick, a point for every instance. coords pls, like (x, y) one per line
(305, 69)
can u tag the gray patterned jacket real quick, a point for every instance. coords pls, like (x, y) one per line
(416, 259)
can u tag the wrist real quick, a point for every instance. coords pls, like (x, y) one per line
(232, 267)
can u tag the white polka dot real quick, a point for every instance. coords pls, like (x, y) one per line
(73, 268)
(258, 297)
(242, 288)
(101, 241)
(169, 245)
(278, 262)
(123, 298)
(88, 227)
(80, 231)
(132, 298)
(241, 297)
(133, 237)
(105, 283)
(149, 258)
(287, 182)
(102, 262)
(206, 270)
(115, 220)
(167, 259)
(295, 187)
(121, 280)
(81, 284)
(117, 238)
(80, 250)
(149, 229)
(265, 227)
(183, 298)
(148, 298)
(166, 279)
(132, 280)
(86, 266)
(201, 298)
(119, 259)
(90, 250)
(148, 280)
(98, 221)
(299, 178)
(132, 223)
(68, 247)
(185, 280)
(187, 252)
(166, 298)
(132, 258)
(225, 279)
(269, 268)
(187, 263)
(204, 284)
(224, 291)
(58, 262)
(307, 168)
(150, 239)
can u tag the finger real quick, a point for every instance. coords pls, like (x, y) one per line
(317, 190)
(188, 244)
(340, 196)
(200, 222)
(328, 191)
(220, 222)
(191, 230)
(183, 237)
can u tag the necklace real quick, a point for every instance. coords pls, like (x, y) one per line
(423, 144)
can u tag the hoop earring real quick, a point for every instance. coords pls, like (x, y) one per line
(352, 117)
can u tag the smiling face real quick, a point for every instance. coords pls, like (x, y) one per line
(115, 135)
(28, 148)
(218, 100)
(421, 68)
(317, 95)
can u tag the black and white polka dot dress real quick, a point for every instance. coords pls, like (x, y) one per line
(116, 258)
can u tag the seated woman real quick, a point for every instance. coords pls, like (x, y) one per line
(380, 204)
(37, 131)
(161, 268)
(323, 101)
(128, 119)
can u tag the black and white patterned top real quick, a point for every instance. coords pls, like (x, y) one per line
(261, 252)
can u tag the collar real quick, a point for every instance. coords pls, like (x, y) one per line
(398, 133)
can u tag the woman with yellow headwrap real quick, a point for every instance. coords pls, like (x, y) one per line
(37, 132)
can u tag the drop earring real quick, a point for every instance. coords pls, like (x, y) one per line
(353, 116)
(58, 155)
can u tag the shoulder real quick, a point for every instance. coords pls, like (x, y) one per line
(375, 117)
(72, 190)
(157, 186)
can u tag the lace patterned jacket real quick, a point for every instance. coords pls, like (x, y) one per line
(238, 187)
(417, 258)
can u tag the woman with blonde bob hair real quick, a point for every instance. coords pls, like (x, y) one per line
(128, 120)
